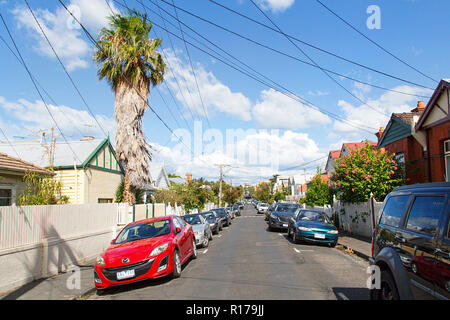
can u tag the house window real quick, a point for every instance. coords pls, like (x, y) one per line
(400, 157)
(105, 200)
(5, 197)
(447, 160)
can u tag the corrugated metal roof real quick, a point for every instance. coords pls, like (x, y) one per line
(36, 152)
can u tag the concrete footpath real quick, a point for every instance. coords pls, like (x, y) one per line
(64, 286)
(360, 246)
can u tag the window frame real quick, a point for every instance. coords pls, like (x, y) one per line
(447, 157)
(439, 225)
(404, 213)
(13, 193)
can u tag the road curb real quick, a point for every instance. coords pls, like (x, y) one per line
(356, 252)
(85, 293)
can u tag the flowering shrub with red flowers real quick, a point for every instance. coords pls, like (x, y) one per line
(367, 170)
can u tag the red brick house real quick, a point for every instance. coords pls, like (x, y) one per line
(399, 139)
(435, 123)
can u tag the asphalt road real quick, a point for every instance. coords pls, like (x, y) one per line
(248, 262)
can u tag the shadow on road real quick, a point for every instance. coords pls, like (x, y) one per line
(351, 293)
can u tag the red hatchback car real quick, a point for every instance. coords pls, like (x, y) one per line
(145, 249)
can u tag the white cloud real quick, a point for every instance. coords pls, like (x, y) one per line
(27, 118)
(275, 5)
(366, 117)
(63, 31)
(256, 155)
(216, 96)
(276, 110)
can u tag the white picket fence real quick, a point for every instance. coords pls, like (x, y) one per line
(41, 241)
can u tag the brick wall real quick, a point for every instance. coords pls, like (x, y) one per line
(415, 163)
(436, 137)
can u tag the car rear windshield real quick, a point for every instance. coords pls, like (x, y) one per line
(286, 207)
(144, 231)
(192, 219)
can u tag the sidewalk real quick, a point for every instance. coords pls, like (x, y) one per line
(361, 246)
(64, 286)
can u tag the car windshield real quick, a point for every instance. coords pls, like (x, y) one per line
(144, 231)
(192, 219)
(210, 217)
(286, 207)
(313, 216)
(220, 211)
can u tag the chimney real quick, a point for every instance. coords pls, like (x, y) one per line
(188, 178)
(420, 107)
(379, 133)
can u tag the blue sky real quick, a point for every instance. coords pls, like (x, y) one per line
(282, 132)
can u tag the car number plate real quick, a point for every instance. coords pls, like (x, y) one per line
(285, 225)
(125, 274)
(319, 236)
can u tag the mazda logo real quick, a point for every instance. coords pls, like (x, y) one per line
(125, 260)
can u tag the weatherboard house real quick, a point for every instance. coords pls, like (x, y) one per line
(88, 169)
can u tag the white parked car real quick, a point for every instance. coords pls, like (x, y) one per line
(262, 207)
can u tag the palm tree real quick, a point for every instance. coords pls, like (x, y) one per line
(128, 59)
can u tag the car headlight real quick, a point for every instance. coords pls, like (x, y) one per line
(100, 261)
(333, 231)
(159, 249)
(304, 229)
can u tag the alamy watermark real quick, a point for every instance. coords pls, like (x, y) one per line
(374, 20)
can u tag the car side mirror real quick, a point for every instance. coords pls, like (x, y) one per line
(177, 230)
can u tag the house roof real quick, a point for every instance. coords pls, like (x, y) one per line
(10, 163)
(335, 154)
(66, 154)
(443, 85)
(398, 127)
(353, 146)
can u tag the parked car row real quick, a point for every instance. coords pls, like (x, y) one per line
(157, 247)
(302, 225)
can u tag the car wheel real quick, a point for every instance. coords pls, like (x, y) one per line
(332, 244)
(210, 235)
(176, 273)
(294, 237)
(194, 249)
(414, 268)
(388, 289)
(205, 241)
(289, 232)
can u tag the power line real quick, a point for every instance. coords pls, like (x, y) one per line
(10, 144)
(65, 70)
(291, 95)
(36, 87)
(192, 67)
(372, 41)
(326, 73)
(290, 56)
(40, 85)
(91, 38)
(318, 48)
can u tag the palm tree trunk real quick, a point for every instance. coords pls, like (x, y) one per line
(131, 147)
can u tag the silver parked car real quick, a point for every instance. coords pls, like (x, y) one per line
(201, 228)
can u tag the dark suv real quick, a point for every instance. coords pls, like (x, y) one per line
(411, 244)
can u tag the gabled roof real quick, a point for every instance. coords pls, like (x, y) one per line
(444, 84)
(332, 155)
(398, 127)
(20, 166)
(66, 154)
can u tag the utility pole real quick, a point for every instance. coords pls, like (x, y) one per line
(221, 166)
